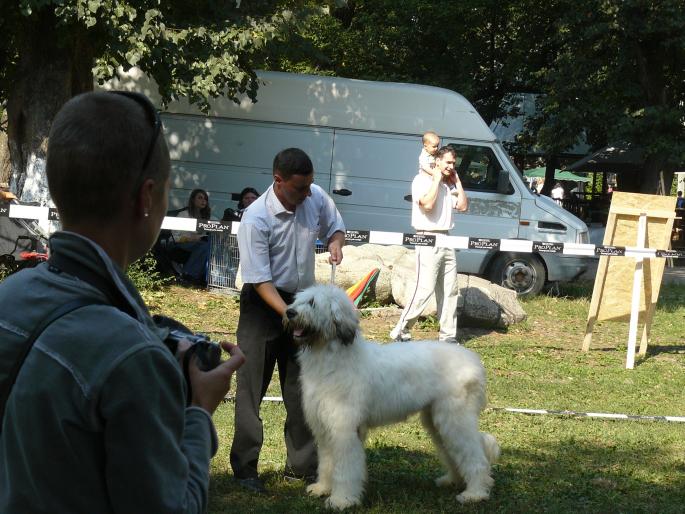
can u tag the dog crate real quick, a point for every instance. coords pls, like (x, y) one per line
(224, 258)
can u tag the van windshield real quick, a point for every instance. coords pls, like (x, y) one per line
(477, 166)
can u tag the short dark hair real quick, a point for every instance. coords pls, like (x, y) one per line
(292, 161)
(243, 193)
(96, 150)
(445, 149)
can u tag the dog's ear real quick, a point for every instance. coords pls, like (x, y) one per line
(346, 333)
(346, 323)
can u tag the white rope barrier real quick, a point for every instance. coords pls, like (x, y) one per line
(394, 238)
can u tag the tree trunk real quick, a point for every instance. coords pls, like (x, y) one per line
(4, 152)
(652, 177)
(550, 171)
(48, 74)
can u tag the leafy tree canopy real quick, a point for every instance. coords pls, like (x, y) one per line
(195, 48)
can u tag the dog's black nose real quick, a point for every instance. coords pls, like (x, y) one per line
(291, 313)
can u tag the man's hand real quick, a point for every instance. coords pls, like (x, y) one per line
(335, 244)
(210, 387)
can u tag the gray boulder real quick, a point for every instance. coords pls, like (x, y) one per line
(357, 262)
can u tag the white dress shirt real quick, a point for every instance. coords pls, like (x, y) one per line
(277, 245)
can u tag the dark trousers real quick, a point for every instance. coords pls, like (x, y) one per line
(263, 341)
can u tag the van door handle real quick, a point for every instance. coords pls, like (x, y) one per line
(342, 192)
(407, 198)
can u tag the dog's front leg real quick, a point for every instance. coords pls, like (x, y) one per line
(349, 469)
(323, 483)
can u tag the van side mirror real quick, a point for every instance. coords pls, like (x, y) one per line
(503, 182)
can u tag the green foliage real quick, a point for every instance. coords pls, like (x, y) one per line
(197, 49)
(616, 73)
(145, 276)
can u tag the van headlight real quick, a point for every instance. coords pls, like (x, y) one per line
(583, 237)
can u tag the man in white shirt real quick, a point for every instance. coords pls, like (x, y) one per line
(557, 193)
(434, 196)
(276, 239)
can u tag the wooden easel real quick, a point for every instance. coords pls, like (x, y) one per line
(637, 221)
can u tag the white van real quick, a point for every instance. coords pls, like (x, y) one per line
(364, 139)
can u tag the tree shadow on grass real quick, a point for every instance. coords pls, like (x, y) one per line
(558, 476)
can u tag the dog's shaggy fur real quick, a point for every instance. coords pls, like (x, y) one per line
(350, 385)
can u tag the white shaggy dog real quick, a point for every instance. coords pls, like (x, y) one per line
(350, 385)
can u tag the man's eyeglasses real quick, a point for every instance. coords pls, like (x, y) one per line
(153, 117)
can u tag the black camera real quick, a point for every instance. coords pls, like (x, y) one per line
(207, 352)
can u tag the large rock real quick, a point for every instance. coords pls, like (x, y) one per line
(357, 262)
(481, 303)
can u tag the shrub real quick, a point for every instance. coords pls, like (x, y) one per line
(145, 275)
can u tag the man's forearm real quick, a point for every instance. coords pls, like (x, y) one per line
(268, 292)
(462, 199)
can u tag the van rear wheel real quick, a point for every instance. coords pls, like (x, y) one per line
(524, 273)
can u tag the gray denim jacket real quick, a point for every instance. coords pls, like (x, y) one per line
(96, 421)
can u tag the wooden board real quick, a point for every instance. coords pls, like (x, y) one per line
(618, 288)
(613, 290)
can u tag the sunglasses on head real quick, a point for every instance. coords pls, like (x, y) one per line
(153, 116)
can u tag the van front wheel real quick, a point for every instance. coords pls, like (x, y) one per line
(524, 273)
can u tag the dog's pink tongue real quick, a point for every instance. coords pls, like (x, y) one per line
(298, 332)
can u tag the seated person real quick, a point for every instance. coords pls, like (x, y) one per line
(247, 196)
(196, 243)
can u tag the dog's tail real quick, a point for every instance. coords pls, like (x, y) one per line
(490, 446)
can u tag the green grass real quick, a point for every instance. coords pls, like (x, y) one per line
(548, 463)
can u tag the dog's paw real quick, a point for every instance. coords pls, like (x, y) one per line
(472, 496)
(318, 489)
(444, 481)
(341, 502)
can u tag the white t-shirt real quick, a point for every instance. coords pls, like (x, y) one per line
(558, 193)
(440, 218)
(426, 160)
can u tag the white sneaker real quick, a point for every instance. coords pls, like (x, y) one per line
(399, 335)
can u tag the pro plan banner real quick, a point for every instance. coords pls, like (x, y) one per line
(610, 251)
(483, 243)
(213, 226)
(547, 247)
(418, 239)
(671, 254)
(357, 236)
(4, 210)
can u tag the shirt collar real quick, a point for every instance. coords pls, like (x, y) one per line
(274, 204)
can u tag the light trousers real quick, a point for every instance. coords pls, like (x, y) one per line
(436, 272)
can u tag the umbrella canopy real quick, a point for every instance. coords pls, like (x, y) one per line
(558, 175)
(617, 158)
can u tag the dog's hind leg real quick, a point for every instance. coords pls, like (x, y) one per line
(457, 423)
(324, 478)
(452, 475)
(349, 469)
